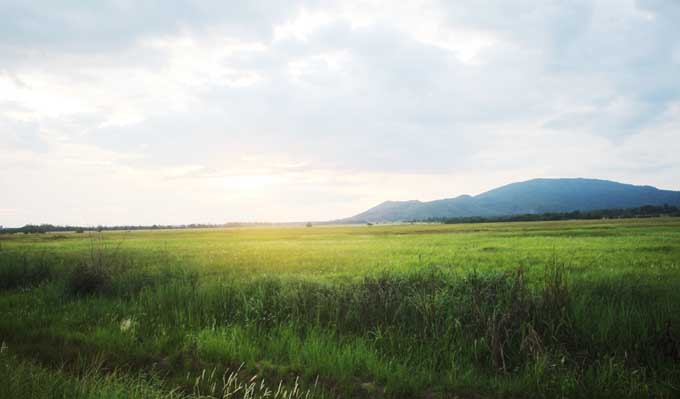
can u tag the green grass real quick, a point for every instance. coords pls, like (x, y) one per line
(540, 309)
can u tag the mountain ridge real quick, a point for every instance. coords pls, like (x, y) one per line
(540, 195)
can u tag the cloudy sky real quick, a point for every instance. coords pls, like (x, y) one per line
(121, 111)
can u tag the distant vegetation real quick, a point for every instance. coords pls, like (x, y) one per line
(48, 228)
(646, 211)
(586, 309)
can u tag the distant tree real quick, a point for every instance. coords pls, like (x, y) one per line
(645, 211)
(309, 224)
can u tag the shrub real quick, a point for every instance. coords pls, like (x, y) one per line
(86, 279)
(94, 275)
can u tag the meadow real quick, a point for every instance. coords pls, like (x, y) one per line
(532, 309)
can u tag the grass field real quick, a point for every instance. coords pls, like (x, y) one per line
(542, 309)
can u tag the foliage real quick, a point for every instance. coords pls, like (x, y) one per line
(646, 211)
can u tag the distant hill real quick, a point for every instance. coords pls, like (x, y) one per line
(528, 197)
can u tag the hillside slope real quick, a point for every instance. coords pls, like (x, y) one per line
(528, 197)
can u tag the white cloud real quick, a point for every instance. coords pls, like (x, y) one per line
(302, 25)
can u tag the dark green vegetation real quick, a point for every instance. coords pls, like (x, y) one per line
(50, 228)
(535, 196)
(545, 309)
(647, 211)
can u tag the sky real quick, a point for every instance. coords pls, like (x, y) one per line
(137, 112)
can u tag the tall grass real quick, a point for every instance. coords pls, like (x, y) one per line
(23, 379)
(25, 270)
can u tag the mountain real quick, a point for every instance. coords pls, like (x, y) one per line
(528, 197)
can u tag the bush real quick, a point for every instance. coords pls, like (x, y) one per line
(94, 275)
(86, 279)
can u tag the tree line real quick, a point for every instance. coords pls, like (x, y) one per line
(48, 228)
(646, 211)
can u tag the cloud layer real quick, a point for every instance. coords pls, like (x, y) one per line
(115, 112)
